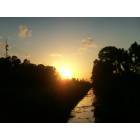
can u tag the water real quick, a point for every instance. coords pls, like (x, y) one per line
(83, 112)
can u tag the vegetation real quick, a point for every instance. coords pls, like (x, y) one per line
(115, 80)
(36, 93)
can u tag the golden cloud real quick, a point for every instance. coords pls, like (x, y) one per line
(24, 31)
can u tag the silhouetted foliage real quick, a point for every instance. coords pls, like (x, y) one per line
(135, 55)
(36, 93)
(108, 54)
(115, 79)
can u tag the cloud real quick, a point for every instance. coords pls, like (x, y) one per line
(56, 55)
(24, 31)
(87, 43)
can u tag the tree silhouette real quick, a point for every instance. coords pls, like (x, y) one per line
(26, 61)
(115, 79)
(119, 58)
(134, 51)
(124, 60)
(15, 60)
(108, 53)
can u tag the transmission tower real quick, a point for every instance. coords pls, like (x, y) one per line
(6, 49)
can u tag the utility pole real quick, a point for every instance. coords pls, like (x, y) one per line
(6, 49)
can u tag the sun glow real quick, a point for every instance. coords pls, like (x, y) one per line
(65, 69)
(65, 73)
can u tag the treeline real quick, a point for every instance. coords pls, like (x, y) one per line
(116, 81)
(36, 93)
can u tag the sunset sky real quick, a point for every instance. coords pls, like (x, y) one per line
(72, 43)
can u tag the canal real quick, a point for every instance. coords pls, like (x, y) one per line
(84, 110)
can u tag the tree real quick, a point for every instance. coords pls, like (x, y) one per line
(26, 61)
(124, 60)
(108, 53)
(134, 51)
(119, 58)
(15, 60)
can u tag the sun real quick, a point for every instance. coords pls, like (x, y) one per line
(65, 73)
